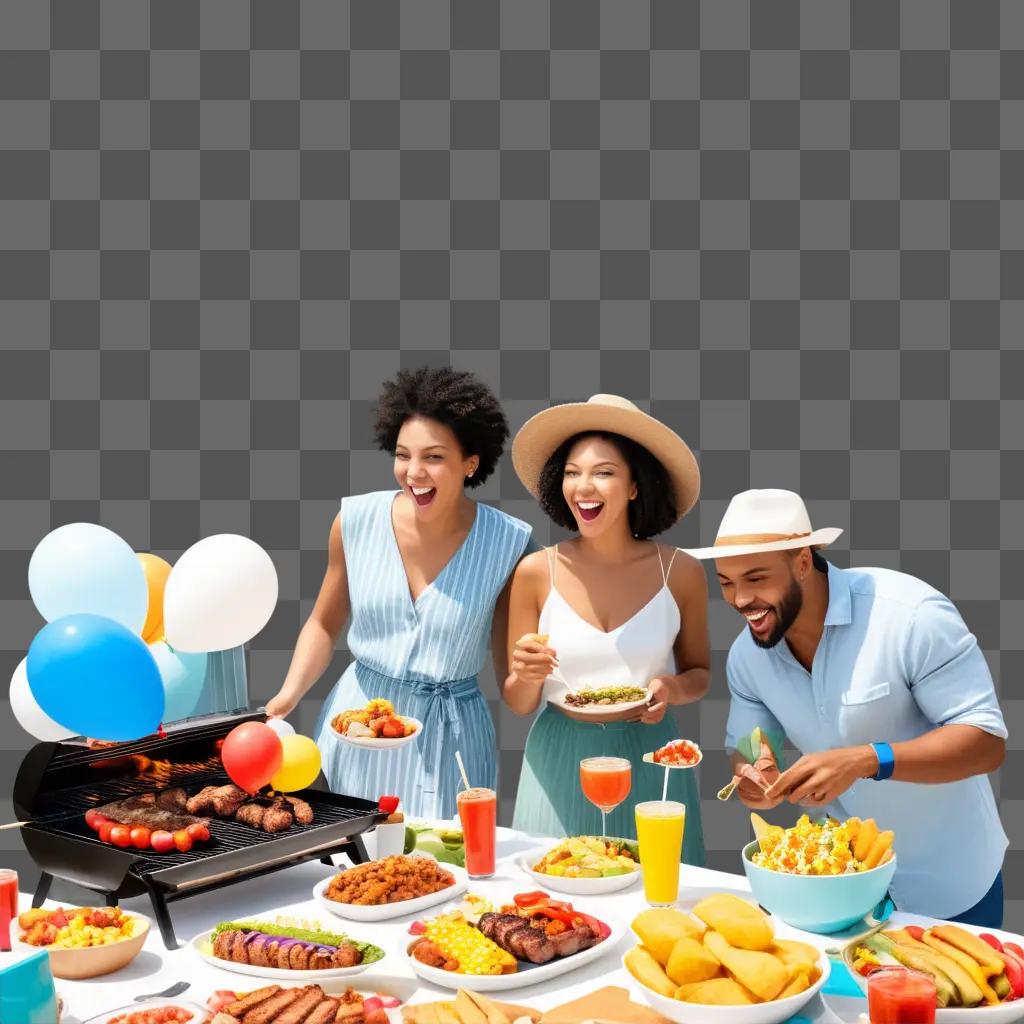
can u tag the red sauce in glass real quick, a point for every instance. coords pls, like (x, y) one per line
(899, 996)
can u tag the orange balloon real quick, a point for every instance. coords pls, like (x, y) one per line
(156, 571)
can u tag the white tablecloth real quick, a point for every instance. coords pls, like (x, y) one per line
(290, 892)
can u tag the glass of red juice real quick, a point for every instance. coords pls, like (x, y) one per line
(900, 996)
(478, 811)
(9, 890)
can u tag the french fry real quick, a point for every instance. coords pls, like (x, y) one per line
(866, 835)
(491, 1011)
(879, 848)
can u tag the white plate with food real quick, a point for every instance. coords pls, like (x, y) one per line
(188, 1012)
(381, 880)
(289, 950)
(584, 865)
(368, 1002)
(376, 726)
(930, 948)
(603, 703)
(521, 975)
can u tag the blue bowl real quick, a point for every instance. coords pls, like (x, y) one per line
(818, 903)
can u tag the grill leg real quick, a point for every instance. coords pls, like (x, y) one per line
(357, 851)
(111, 899)
(42, 889)
(329, 861)
(163, 918)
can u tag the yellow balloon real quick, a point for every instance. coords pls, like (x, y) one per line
(300, 765)
(156, 571)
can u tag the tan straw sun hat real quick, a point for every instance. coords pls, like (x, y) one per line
(541, 435)
(768, 519)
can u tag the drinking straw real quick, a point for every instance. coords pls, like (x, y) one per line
(664, 788)
(462, 770)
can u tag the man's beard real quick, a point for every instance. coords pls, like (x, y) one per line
(785, 615)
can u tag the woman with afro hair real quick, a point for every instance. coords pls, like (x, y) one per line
(608, 607)
(420, 575)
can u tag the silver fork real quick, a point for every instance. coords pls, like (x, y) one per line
(168, 993)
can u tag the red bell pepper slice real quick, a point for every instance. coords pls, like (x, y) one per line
(388, 804)
(1014, 973)
(596, 926)
(566, 916)
(417, 928)
(989, 938)
(529, 899)
(915, 931)
(1016, 950)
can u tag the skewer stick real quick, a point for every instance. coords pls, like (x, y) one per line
(14, 824)
(462, 770)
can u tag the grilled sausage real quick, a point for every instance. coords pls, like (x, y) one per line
(301, 809)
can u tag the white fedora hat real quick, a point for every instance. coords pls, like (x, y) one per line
(765, 520)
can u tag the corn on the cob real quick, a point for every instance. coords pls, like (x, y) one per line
(475, 953)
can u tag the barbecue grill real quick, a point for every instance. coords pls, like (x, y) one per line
(58, 782)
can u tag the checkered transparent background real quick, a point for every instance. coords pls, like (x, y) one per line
(793, 231)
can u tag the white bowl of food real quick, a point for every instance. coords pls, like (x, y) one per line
(84, 942)
(392, 887)
(584, 865)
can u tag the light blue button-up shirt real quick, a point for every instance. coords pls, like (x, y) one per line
(895, 660)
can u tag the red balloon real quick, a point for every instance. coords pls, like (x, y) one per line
(252, 755)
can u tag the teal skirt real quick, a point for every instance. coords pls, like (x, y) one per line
(550, 802)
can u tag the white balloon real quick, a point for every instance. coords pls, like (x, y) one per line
(281, 727)
(84, 567)
(31, 717)
(220, 594)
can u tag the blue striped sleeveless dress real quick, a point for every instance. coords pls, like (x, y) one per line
(422, 655)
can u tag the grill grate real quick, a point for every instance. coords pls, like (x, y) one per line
(225, 835)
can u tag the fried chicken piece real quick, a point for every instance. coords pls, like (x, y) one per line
(202, 802)
(251, 815)
(325, 1013)
(278, 816)
(227, 799)
(431, 954)
(270, 1009)
(301, 809)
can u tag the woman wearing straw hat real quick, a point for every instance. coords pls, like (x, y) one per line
(618, 608)
(419, 573)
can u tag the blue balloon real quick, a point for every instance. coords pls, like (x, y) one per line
(85, 568)
(96, 677)
(183, 675)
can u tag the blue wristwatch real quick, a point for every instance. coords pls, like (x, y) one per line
(886, 761)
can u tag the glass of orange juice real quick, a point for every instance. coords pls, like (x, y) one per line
(659, 831)
(605, 782)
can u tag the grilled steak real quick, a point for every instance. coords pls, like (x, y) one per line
(302, 1007)
(278, 816)
(144, 810)
(580, 937)
(516, 936)
(270, 1009)
(244, 1005)
(172, 799)
(250, 814)
(325, 1013)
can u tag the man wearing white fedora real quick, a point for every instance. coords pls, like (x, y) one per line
(884, 691)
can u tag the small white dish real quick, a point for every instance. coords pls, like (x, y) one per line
(372, 743)
(526, 975)
(575, 886)
(649, 759)
(386, 911)
(201, 947)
